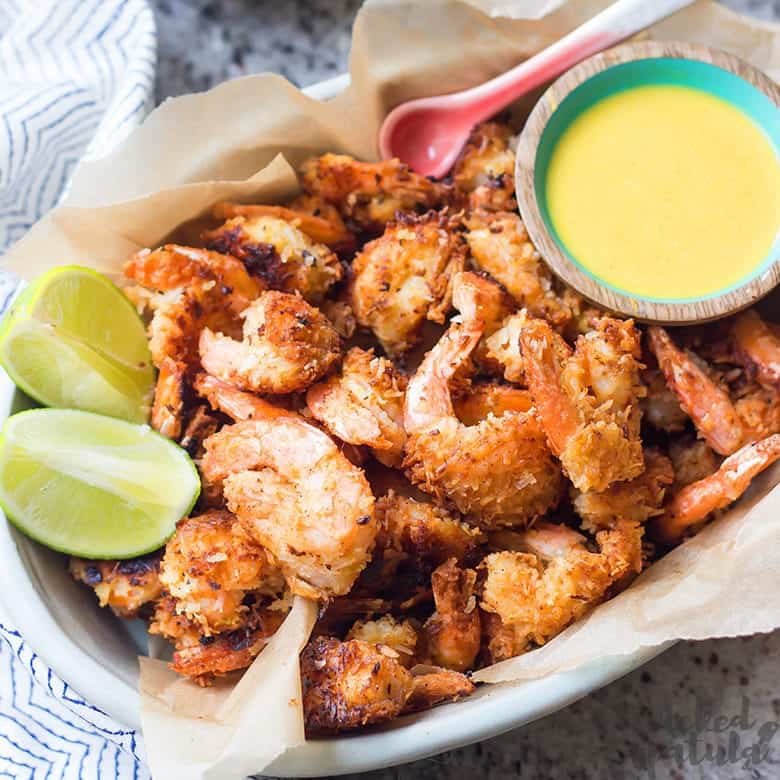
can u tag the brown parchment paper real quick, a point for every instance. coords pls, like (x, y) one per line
(242, 141)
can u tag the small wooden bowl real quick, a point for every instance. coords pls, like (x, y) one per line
(564, 101)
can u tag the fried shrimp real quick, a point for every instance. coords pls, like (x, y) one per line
(209, 565)
(369, 194)
(693, 459)
(298, 496)
(500, 245)
(428, 534)
(453, 633)
(503, 349)
(404, 278)
(351, 684)
(319, 220)
(486, 398)
(660, 406)
(287, 346)
(588, 400)
(498, 471)
(484, 174)
(364, 404)
(204, 657)
(757, 348)
(279, 253)
(169, 398)
(537, 593)
(399, 636)
(124, 586)
(636, 500)
(173, 267)
(693, 504)
(432, 686)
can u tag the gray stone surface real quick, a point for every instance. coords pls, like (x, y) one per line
(660, 721)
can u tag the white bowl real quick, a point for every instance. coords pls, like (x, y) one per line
(95, 653)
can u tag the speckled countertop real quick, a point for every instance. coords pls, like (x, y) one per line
(662, 720)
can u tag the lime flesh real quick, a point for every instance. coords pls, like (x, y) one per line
(93, 486)
(73, 340)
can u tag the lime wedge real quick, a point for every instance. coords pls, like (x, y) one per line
(93, 486)
(73, 340)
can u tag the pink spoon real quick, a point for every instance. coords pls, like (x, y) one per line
(429, 133)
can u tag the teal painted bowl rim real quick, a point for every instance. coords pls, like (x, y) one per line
(626, 67)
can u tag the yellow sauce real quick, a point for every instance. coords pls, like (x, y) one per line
(665, 192)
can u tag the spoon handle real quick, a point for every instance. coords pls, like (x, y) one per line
(614, 24)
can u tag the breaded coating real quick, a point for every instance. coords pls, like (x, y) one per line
(399, 636)
(503, 349)
(690, 508)
(169, 398)
(536, 594)
(172, 267)
(660, 406)
(637, 499)
(298, 495)
(351, 684)
(484, 174)
(453, 633)
(486, 398)
(500, 245)
(693, 459)
(364, 404)
(368, 195)
(280, 254)
(404, 277)
(124, 586)
(209, 565)
(588, 400)
(287, 346)
(204, 657)
(498, 471)
(428, 534)
(434, 686)
(319, 220)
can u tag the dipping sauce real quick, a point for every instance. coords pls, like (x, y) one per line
(665, 192)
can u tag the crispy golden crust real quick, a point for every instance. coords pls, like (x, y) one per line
(434, 686)
(279, 253)
(124, 586)
(588, 400)
(364, 404)
(427, 534)
(453, 632)
(368, 195)
(404, 278)
(209, 565)
(287, 346)
(692, 459)
(484, 174)
(169, 397)
(399, 636)
(637, 499)
(500, 245)
(351, 684)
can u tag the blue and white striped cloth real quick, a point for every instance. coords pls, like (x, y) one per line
(75, 77)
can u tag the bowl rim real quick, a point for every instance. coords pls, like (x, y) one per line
(493, 710)
(530, 142)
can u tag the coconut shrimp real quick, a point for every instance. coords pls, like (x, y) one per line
(404, 278)
(637, 499)
(287, 346)
(319, 220)
(588, 400)
(757, 348)
(502, 348)
(399, 636)
(283, 256)
(169, 398)
(297, 495)
(432, 685)
(692, 505)
(500, 245)
(498, 471)
(535, 593)
(484, 174)
(486, 398)
(209, 565)
(203, 657)
(368, 195)
(453, 633)
(364, 404)
(426, 533)
(660, 406)
(124, 586)
(692, 459)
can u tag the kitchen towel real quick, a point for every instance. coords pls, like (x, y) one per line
(75, 77)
